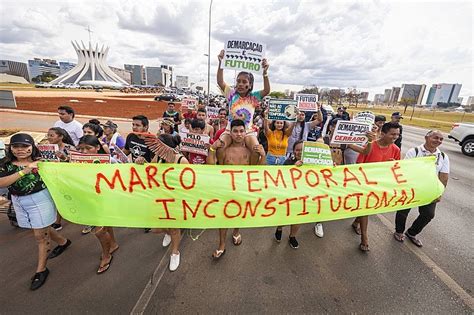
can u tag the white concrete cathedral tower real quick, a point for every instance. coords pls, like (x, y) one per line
(91, 68)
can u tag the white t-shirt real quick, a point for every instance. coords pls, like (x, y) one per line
(442, 160)
(73, 128)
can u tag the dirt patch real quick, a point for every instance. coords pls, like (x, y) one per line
(111, 107)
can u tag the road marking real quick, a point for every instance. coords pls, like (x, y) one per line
(151, 286)
(442, 275)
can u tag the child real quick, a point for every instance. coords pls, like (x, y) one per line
(243, 101)
(34, 207)
(91, 145)
(197, 126)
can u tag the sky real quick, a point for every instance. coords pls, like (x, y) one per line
(369, 45)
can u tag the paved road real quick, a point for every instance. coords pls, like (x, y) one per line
(324, 275)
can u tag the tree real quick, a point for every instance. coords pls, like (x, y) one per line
(276, 94)
(309, 90)
(407, 102)
(44, 77)
(353, 96)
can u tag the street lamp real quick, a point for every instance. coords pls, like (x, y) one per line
(209, 57)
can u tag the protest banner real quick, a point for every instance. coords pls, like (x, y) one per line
(243, 55)
(307, 102)
(316, 153)
(350, 132)
(212, 112)
(77, 157)
(48, 151)
(365, 117)
(284, 110)
(194, 143)
(224, 196)
(119, 154)
(188, 103)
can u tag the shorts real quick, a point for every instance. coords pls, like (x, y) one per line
(275, 159)
(35, 211)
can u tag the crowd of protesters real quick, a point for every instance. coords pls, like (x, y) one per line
(242, 134)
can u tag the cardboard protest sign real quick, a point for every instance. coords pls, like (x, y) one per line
(188, 103)
(365, 117)
(307, 102)
(76, 157)
(350, 132)
(243, 55)
(223, 196)
(48, 151)
(212, 112)
(316, 153)
(194, 143)
(119, 154)
(284, 110)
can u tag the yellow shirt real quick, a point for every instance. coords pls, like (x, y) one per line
(277, 145)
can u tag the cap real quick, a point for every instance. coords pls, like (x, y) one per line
(110, 124)
(397, 114)
(22, 138)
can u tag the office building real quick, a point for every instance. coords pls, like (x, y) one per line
(363, 97)
(65, 67)
(443, 93)
(470, 100)
(412, 91)
(19, 69)
(122, 73)
(138, 74)
(394, 95)
(378, 98)
(386, 95)
(39, 66)
(162, 75)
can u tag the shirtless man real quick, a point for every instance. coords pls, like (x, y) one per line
(234, 154)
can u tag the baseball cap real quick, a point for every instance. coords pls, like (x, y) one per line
(22, 138)
(110, 124)
(397, 114)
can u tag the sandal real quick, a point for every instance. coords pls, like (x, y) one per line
(364, 247)
(218, 254)
(237, 240)
(399, 237)
(356, 229)
(105, 267)
(414, 240)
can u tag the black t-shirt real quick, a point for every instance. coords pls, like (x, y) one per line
(137, 148)
(290, 161)
(398, 142)
(26, 185)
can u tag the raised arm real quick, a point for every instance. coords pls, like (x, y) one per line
(289, 130)
(266, 81)
(220, 72)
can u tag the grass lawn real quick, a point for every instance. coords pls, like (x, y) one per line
(421, 118)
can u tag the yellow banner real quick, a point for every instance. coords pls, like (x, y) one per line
(207, 196)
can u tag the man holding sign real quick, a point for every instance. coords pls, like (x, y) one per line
(234, 154)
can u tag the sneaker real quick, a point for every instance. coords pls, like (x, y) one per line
(58, 250)
(87, 229)
(174, 262)
(293, 242)
(39, 279)
(166, 240)
(318, 230)
(278, 233)
(414, 240)
(57, 226)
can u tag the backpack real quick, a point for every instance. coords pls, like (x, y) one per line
(416, 152)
